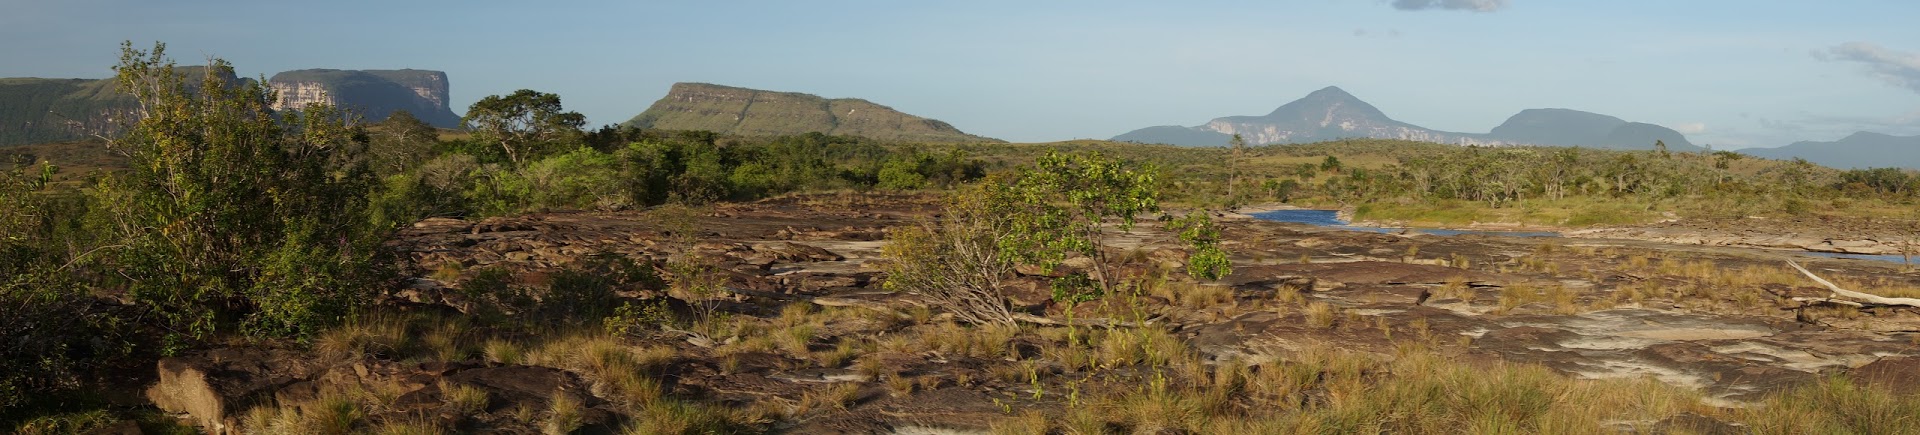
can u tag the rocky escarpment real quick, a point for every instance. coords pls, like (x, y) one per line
(373, 94)
(731, 110)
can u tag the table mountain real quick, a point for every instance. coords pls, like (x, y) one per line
(742, 111)
(373, 94)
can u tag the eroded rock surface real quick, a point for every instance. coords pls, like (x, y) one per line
(1717, 319)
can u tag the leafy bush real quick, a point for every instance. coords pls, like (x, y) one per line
(588, 291)
(581, 179)
(234, 217)
(955, 260)
(1208, 261)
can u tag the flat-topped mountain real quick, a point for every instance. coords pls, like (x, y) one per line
(1332, 113)
(742, 111)
(1857, 151)
(373, 94)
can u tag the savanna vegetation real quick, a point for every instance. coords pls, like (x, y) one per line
(232, 224)
(1434, 184)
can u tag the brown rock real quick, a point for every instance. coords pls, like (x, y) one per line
(1897, 373)
(795, 252)
(214, 387)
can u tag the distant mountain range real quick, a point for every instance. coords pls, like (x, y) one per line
(37, 110)
(742, 111)
(1332, 113)
(1859, 151)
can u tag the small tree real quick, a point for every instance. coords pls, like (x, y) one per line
(1207, 262)
(522, 122)
(1065, 204)
(232, 216)
(1233, 166)
(399, 143)
(955, 260)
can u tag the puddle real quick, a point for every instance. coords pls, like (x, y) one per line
(1331, 219)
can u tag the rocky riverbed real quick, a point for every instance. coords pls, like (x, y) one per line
(1693, 314)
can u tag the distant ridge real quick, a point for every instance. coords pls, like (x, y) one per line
(37, 110)
(1331, 113)
(743, 111)
(1860, 150)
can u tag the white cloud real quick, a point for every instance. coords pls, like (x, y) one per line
(1897, 68)
(1690, 127)
(1457, 5)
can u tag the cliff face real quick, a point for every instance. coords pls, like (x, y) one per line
(731, 110)
(373, 94)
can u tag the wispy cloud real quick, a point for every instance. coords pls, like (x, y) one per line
(1895, 67)
(1457, 5)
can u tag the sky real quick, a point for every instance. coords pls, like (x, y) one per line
(1732, 74)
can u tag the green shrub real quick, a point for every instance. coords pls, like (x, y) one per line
(234, 217)
(581, 179)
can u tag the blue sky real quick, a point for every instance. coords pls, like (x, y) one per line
(1733, 74)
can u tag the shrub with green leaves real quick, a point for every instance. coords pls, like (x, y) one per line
(234, 217)
(1208, 261)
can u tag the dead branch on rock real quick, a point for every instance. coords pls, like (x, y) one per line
(954, 263)
(1865, 300)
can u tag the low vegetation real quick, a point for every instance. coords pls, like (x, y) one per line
(233, 225)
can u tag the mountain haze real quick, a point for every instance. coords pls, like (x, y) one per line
(743, 111)
(1567, 127)
(1332, 113)
(1858, 151)
(1327, 114)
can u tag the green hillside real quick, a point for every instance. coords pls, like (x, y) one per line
(46, 110)
(742, 111)
(37, 110)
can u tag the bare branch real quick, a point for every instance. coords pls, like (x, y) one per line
(1869, 299)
